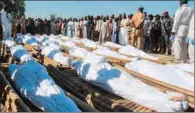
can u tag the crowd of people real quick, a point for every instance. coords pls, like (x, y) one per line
(151, 33)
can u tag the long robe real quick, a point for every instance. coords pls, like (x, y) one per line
(123, 34)
(97, 29)
(114, 33)
(191, 36)
(85, 29)
(110, 31)
(180, 28)
(81, 29)
(63, 29)
(66, 29)
(6, 24)
(77, 29)
(70, 28)
(103, 32)
(137, 34)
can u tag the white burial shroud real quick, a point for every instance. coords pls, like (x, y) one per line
(19, 52)
(132, 51)
(163, 73)
(9, 42)
(56, 55)
(185, 67)
(89, 43)
(69, 44)
(29, 39)
(78, 52)
(108, 52)
(111, 44)
(96, 70)
(34, 83)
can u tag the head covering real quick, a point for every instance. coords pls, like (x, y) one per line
(141, 8)
(184, 1)
(165, 13)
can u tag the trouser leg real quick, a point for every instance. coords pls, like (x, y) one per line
(162, 45)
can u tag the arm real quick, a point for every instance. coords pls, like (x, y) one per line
(176, 22)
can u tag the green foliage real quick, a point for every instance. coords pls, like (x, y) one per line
(15, 6)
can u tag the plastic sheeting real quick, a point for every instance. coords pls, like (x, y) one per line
(108, 52)
(79, 52)
(132, 51)
(19, 52)
(163, 73)
(96, 70)
(34, 83)
(19, 37)
(185, 67)
(56, 55)
(111, 44)
(9, 42)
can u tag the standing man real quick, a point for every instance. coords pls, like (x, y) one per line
(146, 27)
(103, 31)
(4, 23)
(110, 29)
(167, 24)
(118, 24)
(99, 23)
(137, 34)
(70, 28)
(85, 25)
(155, 35)
(180, 30)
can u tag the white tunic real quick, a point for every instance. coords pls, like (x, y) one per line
(180, 28)
(5, 24)
(124, 35)
(191, 36)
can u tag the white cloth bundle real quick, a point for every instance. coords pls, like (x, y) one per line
(79, 52)
(77, 40)
(69, 44)
(56, 55)
(96, 70)
(132, 51)
(111, 44)
(185, 67)
(34, 83)
(19, 52)
(163, 73)
(65, 38)
(9, 42)
(29, 39)
(89, 43)
(44, 40)
(108, 52)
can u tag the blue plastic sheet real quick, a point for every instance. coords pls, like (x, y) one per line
(34, 83)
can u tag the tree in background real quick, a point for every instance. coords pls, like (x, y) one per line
(16, 7)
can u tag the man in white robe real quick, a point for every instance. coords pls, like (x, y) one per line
(191, 40)
(70, 28)
(5, 24)
(180, 30)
